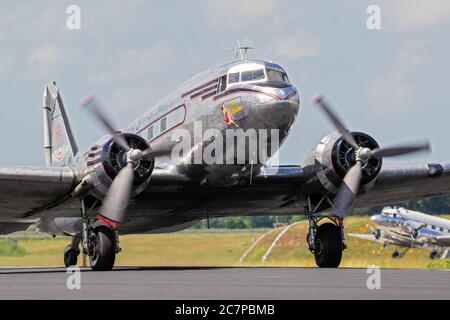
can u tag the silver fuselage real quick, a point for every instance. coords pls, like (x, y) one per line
(266, 105)
(263, 104)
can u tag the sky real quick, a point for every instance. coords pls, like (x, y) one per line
(393, 83)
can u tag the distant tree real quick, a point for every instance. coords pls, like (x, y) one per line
(436, 205)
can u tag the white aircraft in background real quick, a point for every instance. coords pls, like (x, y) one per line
(410, 229)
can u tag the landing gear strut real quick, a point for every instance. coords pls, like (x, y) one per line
(326, 241)
(98, 241)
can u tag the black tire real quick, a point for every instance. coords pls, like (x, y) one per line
(328, 247)
(396, 255)
(434, 255)
(70, 256)
(104, 249)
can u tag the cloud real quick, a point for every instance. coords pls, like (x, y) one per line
(413, 15)
(42, 62)
(236, 13)
(393, 90)
(297, 47)
(128, 64)
(6, 63)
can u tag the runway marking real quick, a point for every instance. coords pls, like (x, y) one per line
(241, 260)
(282, 233)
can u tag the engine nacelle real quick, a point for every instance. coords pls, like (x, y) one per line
(105, 161)
(333, 157)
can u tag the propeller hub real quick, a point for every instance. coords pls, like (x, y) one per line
(363, 154)
(133, 155)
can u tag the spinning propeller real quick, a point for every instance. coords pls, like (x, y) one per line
(116, 200)
(351, 182)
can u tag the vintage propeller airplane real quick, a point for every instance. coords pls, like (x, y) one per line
(129, 182)
(405, 228)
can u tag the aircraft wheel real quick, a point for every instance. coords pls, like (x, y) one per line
(434, 255)
(70, 256)
(103, 249)
(328, 248)
(396, 254)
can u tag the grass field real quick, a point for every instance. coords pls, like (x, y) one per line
(218, 248)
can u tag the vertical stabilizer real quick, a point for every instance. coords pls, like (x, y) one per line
(60, 147)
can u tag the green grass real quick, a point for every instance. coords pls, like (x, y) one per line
(10, 248)
(292, 251)
(218, 248)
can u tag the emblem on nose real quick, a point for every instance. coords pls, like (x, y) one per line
(233, 112)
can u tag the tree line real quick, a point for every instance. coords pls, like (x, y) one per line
(436, 205)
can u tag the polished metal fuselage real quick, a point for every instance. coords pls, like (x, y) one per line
(163, 207)
(408, 228)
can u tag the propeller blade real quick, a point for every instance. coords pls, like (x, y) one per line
(92, 104)
(336, 121)
(149, 153)
(115, 204)
(400, 150)
(349, 189)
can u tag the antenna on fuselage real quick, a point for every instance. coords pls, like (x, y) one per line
(240, 52)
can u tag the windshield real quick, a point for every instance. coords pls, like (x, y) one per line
(252, 75)
(258, 75)
(275, 75)
(245, 76)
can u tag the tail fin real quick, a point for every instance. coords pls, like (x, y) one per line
(60, 147)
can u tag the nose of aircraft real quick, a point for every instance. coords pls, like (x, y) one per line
(277, 114)
(376, 218)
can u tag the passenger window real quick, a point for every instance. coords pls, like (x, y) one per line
(233, 77)
(150, 133)
(163, 125)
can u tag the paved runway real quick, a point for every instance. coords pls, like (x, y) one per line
(224, 283)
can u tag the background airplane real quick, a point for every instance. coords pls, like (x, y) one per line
(410, 229)
(126, 183)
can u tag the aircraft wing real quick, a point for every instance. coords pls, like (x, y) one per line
(369, 237)
(24, 190)
(409, 181)
(443, 241)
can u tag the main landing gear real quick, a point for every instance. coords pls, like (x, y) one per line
(434, 255)
(326, 240)
(98, 240)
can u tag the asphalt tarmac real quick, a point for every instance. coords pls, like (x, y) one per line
(223, 283)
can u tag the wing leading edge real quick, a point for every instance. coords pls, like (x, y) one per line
(25, 190)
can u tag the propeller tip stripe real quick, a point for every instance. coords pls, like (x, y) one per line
(86, 101)
(318, 98)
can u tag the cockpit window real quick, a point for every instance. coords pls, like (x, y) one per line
(252, 75)
(275, 75)
(233, 77)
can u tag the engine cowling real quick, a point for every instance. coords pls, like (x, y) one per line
(333, 157)
(105, 161)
